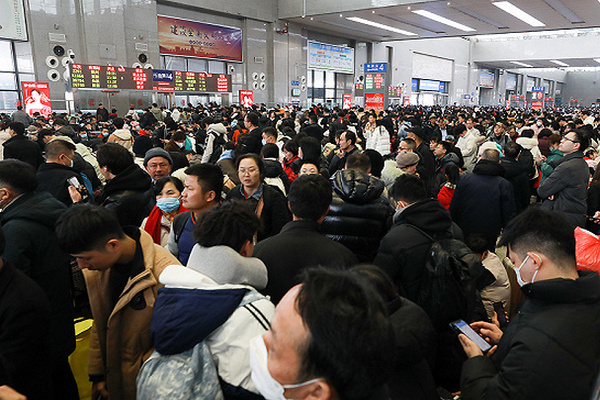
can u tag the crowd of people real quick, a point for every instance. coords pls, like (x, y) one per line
(279, 253)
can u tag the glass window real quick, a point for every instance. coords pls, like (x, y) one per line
(216, 67)
(6, 56)
(309, 78)
(27, 77)
(330, 93)
(195, 65)
(329, 79)
(175, 63)
(8, 100)
(24, 57)
(319, 79)
(7, 81)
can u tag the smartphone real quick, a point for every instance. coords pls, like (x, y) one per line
(461, 326)
(73, 182)
(501, 314)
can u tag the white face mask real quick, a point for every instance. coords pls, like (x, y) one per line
(180, 144)
(520, 280)
(268, 387)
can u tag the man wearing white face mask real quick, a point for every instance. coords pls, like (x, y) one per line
(551, 348)
(329, 339)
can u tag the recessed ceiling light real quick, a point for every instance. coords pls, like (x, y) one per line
(373, 12)
(380, 26)
(521, 64)
(518, 13)
(409, 6)
(311, 18)
(597, 59)
(341, 15)
(444, 20)
(557, 62)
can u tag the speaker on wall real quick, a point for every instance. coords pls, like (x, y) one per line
(59, 50)
(142, 58)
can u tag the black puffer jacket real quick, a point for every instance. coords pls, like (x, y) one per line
(273, 169)
(130, 194)
(359, 214)
(517, 175)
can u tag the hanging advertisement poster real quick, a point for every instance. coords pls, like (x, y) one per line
(347, 101)
(37, 98)
(374, 101)
(198, 39)
(12, 20)
(246, 98)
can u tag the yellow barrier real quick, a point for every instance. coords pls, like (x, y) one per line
(79, 359)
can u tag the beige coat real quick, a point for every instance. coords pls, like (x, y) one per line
(120, 339)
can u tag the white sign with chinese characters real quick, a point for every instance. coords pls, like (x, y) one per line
(12, 20)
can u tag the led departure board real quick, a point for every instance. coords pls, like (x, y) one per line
(108, 77)
(394, 91)
(374, 81)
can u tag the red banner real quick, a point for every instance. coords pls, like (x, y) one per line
(406, 100)
(197, 39)
(374, 101)
(246, 98)
(37, 98)
(347, 101)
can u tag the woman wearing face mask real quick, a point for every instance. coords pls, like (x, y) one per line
(158, 223)
(177, 142)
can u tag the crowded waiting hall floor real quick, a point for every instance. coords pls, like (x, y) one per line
(211, 252)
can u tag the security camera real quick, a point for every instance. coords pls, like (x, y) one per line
(71, 53)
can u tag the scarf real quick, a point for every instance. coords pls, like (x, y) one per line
(153, 224)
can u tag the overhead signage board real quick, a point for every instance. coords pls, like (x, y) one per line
(121, 78)
(537, 97)
(182, 37)
(486, 78)
(375, 67)
(12, 20)
(330, 57)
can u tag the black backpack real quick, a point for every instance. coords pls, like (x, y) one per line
(179, 223)
(218, 147)
(451, 282)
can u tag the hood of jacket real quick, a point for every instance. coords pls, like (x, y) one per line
(218, 127)
(199, 298)
(449, 158)
(428, 215)
(40, 208)
(123, 134)
(356, 187)
(512, 168)
(488, 168)
(132, 178)
(526, 142)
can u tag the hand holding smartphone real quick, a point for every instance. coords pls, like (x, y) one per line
(461, 326)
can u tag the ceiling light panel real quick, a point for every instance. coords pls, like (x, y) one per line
(443, 20)
(557, 62)
(521, 64)
(518, 13)
(380, 26)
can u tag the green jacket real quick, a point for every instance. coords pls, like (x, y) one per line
(546, 167)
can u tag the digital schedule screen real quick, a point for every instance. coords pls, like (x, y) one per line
(108, 77)
(374, 81)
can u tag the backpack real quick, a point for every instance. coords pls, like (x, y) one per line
(179, 223)
(218, 147)
(451, 282)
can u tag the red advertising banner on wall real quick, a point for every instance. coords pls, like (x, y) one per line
(246, 98)
(198, 39)
(406, 100)
(37, 98)
(347, 101)
(374, 101)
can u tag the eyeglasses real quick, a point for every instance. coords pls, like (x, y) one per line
(570, 140)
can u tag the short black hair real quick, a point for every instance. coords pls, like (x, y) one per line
(452, 171)
(512, 150)
(311, 149)
(270, 131)
(491, 155)
(583, 138)
(379, 279)
(310, 196)
(114, 157)
(447, 146)
(57, 147)
(118, 122)
(269, 150)
(376, 160)
(477, 243)
(545, 231)
(359, 162)
(409, 188)
(209, 177)
(18, 127)
(252, 118)
(160, 184)
(351, 339)
(351, 136)
(85, 228)
(18, 175)
(291, 146)
(231, 224)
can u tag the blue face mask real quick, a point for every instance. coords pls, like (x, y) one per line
(84, 136)
(105, 134)
(167, 204)
(264, 142)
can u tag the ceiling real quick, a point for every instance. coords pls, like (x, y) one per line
(480, 15)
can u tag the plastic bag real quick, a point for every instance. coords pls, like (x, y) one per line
(587, 250)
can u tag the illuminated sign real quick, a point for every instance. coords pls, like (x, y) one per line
(108, 77)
